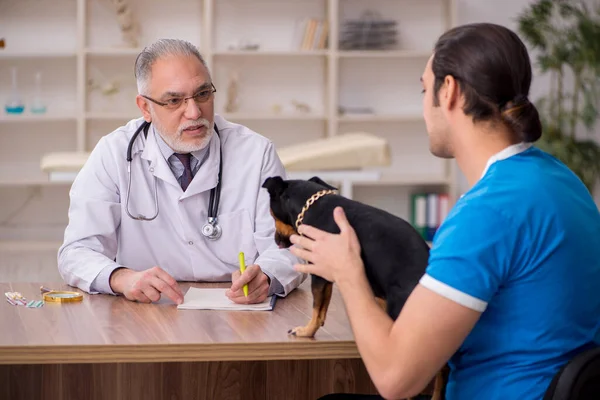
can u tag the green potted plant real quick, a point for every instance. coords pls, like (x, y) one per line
(565, 35)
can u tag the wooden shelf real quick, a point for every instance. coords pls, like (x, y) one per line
(383, 54)
(28, 117)
(111, 116)
(13, 55)
(116, 51)
(380, 118)
(271, 53)
(273, 117)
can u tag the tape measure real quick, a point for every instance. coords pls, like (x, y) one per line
(59, 296)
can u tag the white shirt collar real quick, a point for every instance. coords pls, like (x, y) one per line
(510, 151)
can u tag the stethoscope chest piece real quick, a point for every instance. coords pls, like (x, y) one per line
(211, 230)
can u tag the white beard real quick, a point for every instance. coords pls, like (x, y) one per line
(175, 142)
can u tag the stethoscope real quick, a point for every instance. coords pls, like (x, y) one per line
(211, 229)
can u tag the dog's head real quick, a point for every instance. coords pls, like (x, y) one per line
(287, 199)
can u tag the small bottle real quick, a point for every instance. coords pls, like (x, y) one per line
(38, 106)
(15, 104)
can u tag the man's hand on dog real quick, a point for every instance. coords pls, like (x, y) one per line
(258, 286)
(145, 286)
(334, 257)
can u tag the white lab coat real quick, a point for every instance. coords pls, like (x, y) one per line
(100, 231)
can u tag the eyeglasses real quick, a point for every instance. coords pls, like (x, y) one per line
(175, 102)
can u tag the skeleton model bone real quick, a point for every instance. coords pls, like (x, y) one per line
(130, 28)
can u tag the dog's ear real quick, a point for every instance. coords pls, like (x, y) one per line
(275, 185)
(320, 181)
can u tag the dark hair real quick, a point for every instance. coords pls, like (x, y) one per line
(492, 68)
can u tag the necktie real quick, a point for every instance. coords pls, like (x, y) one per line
(186, 178)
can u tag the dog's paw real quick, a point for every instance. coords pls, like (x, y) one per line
(302, 331)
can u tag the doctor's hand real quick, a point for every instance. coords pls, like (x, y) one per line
(145, 286)
(258, 286)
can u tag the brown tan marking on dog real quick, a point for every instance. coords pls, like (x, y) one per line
(284, 229)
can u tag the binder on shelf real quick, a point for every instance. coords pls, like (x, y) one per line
(444, 207)
(432, 216)
(428, 212)
(419, 213)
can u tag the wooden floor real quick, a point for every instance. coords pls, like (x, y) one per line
(244, 380)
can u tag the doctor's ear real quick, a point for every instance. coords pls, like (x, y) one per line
(144, 107)
(275, 185)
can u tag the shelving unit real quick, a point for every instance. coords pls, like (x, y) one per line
(85, 44)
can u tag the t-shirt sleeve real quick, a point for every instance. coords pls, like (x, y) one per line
(470, 257)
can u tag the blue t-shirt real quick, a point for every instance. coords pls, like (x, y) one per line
(522, 246)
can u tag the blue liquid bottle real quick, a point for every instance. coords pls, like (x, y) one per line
(38, 106)
(14, 104)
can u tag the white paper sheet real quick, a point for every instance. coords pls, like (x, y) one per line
(215, 299)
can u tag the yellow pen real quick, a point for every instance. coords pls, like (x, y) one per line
(242, 269)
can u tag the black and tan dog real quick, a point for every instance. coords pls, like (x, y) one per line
(394, 254)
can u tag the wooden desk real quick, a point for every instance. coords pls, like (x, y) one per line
(107, 347)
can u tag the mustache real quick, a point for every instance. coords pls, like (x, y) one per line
(201, 121)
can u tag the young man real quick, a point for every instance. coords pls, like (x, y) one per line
(139, 233)
(511, 291)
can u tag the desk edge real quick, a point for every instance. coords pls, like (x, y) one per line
(193, 352)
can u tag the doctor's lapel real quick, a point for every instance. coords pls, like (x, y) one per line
(208, 174)
(158, 165)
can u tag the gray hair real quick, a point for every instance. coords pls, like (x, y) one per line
(157, 50)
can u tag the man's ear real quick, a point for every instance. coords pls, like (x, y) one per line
(275, 185)
(321, 182)
(144, 107)
(451, 92)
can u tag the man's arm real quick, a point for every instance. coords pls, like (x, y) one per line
(276, 263)
(463, 275)
(403, 356)
(86, 258)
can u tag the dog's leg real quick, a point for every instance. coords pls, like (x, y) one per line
(439, 386)
(321, 291)
(326, 299)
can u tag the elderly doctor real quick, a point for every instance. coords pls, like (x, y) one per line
(138, 234)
